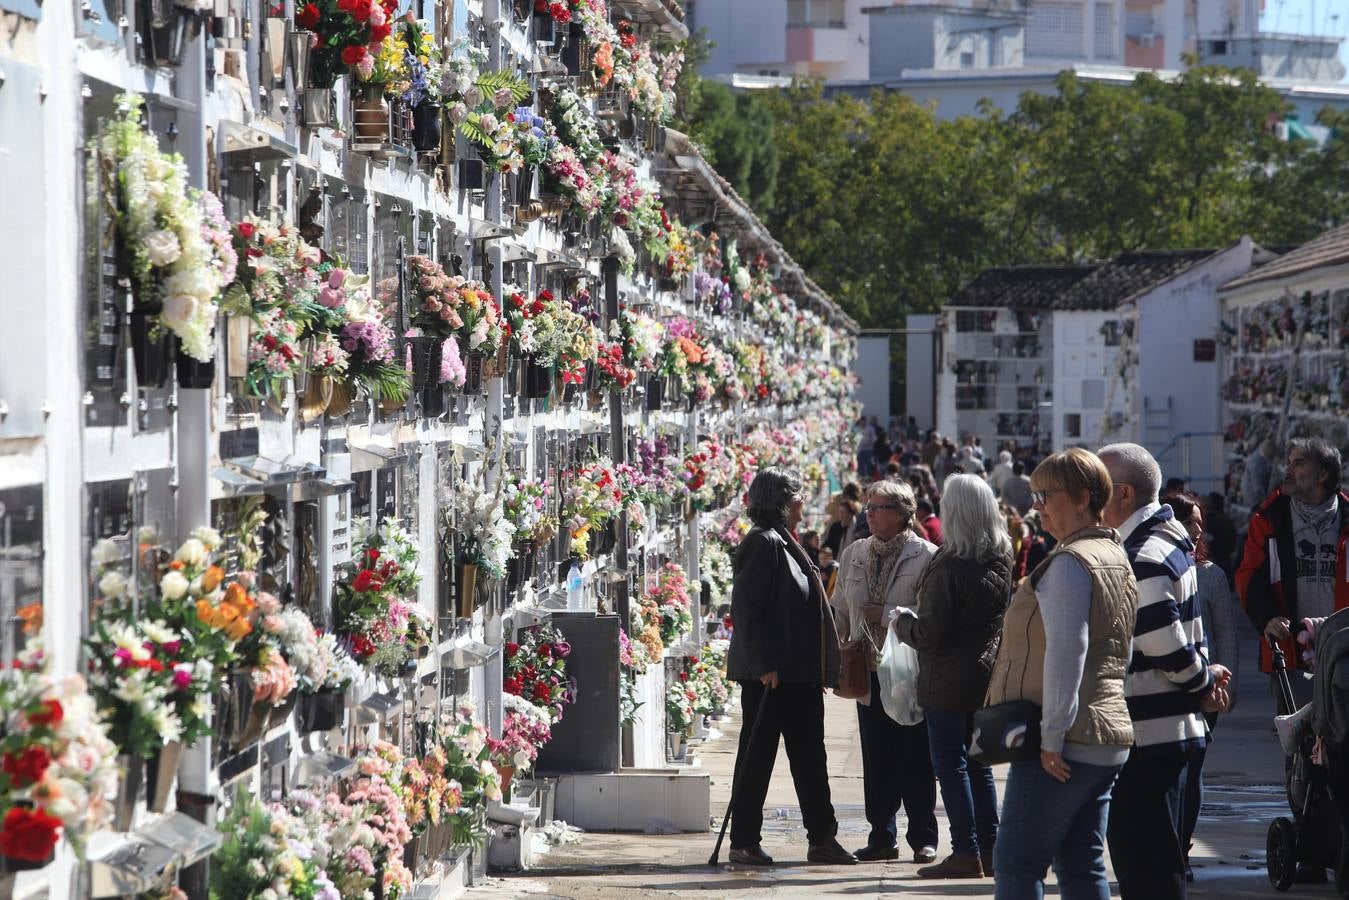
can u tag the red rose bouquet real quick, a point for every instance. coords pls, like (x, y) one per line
(536, 670)
(347, 36)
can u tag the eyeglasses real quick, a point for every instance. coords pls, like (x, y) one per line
(1040, 498)
(871, 509)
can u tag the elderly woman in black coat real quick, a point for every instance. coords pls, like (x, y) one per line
(784, 652)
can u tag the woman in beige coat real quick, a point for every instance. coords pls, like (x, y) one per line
(878, 574)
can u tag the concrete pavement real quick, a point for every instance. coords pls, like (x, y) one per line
(1244, 793)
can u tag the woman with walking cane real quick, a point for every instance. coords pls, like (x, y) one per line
(784, 652)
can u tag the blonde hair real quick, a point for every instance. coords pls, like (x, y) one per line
(1075, 471)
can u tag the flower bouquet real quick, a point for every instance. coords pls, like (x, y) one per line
(56, 763)
(484, 532)
(525, 728)
(165, 243)
(670, 595)
(268, 851)
(536, 670)
(375, 795)
(525, 506)
(679, 699)
(376, 614)
(592, 497)
(464, 743)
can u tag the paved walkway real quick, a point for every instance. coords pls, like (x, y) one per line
(1243, 777)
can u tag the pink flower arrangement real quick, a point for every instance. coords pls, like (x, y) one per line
(452, 369)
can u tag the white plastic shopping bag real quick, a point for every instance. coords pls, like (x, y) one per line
(898, 677)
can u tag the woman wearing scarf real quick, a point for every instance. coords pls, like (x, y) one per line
(879, 574)
(784, 652)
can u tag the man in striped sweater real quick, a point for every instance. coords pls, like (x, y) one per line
(1168, 684)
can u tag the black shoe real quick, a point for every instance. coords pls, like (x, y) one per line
(750, 856)
(925, 855)
(876, 854)
(1308, 873)
(830, 853)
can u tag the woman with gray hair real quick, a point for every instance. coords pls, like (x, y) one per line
(956, 630)
(784, 650)
(878, 574)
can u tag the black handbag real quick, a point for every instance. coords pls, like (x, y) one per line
(1006, 732)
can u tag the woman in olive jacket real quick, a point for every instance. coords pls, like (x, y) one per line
(961, 598)
(784, 652)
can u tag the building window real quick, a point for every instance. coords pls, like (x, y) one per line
(1218, 48)
(1025, 397)
(1112, 331)
(1055, 29)
(971, 320)
(966, 59)
(1103, 39)
(815, 13)
(1072, 425)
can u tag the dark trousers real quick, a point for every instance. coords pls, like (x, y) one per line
(967, 789)
(1192, 790)
(896, 770)
(1144, 818)
(794, 712)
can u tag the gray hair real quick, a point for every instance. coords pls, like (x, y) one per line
(1322, 455)
(972, 525)
(1135, 466)
(770, 493)
(1005, 456)
(899, 493)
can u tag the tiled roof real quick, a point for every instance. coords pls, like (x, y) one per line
(1330, 249)
(1021, 287)
(1125, 276)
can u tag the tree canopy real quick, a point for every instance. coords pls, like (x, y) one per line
(891, 209)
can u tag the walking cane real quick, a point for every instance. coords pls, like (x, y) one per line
(735, 777)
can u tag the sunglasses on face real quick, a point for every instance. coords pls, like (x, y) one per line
(879, 506)
(1040, 498)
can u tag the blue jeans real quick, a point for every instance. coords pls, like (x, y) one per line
(1045, 821)
(967, 788)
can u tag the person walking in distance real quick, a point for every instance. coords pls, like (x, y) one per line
(1293, 565)
(784, 651)
(1016, 489)
(1065, 646)
(1217, 610)
(961, 598)
(1168, 685)
(878, 574)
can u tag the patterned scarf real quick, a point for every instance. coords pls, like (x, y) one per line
(878, 560)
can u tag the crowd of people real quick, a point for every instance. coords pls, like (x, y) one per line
(1078, 583)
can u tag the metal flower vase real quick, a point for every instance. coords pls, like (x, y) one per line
(426, 128)
(242, 720)
(128, 791)
(151, 348)
(160, 772)
(321, 711)
(466, 586)
(474, 361)
(425, 353)
(538, 379)
(655, 391)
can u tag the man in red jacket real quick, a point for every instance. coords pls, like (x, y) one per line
(1293, 566)
(1294, 563)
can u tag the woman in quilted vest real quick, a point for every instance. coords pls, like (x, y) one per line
(961, 598)
(1065, 647)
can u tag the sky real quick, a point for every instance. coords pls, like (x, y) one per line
(1321, 17)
